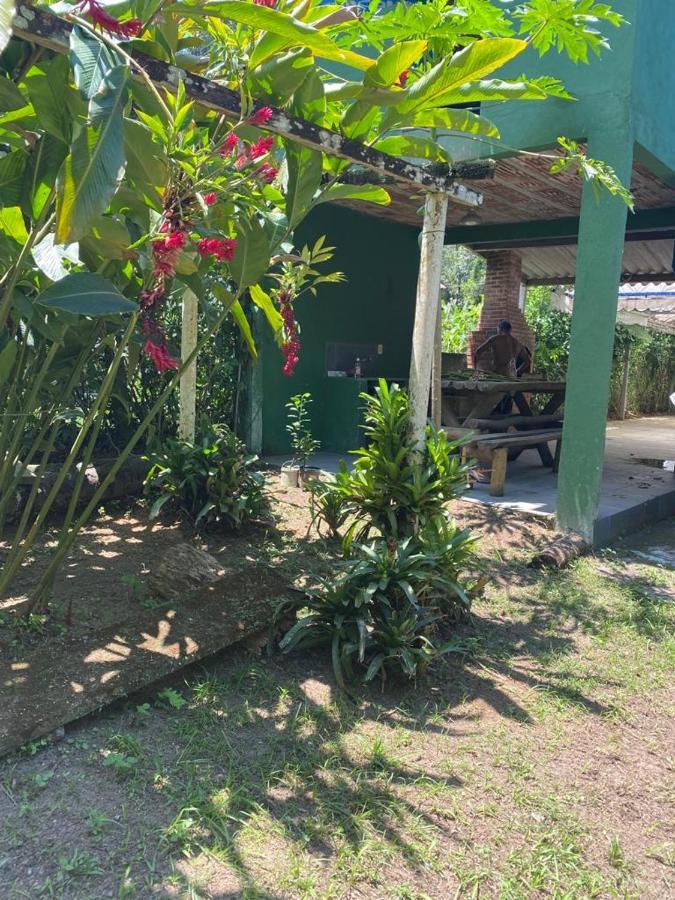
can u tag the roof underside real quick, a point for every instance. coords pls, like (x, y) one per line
(523, 191)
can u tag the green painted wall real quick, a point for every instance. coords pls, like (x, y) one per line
(375, 305)
(654, 87)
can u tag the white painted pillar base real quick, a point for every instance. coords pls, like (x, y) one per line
(188, 380)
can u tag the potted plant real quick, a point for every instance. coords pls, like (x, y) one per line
(302, 442)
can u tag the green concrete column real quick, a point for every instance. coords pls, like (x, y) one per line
(602, 227)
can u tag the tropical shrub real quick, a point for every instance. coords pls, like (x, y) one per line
(383, 609)
(330, 506)
(395, 487)
(393, 592)
(211, 480)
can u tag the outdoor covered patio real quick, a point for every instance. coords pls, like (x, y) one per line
(637, 488)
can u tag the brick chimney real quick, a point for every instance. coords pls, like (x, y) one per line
(503, 279)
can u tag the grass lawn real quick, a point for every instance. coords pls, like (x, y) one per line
(537, 764)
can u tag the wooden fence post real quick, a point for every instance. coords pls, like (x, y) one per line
(426, 307)
(188, 380)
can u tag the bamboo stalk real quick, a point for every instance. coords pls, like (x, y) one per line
(47, 421)
(20, 549)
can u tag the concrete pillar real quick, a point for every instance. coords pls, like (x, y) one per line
(502, 296)
(602, 228)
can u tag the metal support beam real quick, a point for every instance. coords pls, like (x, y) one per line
(601, 237)
(426, 308)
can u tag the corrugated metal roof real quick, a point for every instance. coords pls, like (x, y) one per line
(650, 305)
(642, 260)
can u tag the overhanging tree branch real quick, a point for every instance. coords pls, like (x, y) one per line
(44, 28)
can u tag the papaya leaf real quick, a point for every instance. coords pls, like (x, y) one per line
(86, 294)
(279, 23)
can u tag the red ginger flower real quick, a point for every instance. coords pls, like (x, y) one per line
(261, 147)
(160, 355)
(242, 160)
(165, 252)
(221, 249)
(102, 19)
(268, 172)
(229, 145)
(210, 198)
(270, 3)
(261, 116)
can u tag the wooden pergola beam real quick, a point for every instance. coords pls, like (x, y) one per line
(41, 27)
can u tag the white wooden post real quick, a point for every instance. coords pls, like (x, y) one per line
(436, 373)
(623, 397)
(426, 306)
(188, 380)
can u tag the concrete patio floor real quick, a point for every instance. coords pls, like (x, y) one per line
(636, 488)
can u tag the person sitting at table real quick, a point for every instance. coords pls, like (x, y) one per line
(505, 352)
(509, 358)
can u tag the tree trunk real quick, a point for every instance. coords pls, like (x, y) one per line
(426, 306)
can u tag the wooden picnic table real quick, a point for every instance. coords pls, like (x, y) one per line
(484, 396)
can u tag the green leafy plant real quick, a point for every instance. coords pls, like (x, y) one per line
(298, 427)
(384, 609)
(170, 698)
(390, 488)
(330, 506)
(212, 480)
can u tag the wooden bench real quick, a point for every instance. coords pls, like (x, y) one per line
(503, 423)
(494, 448)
